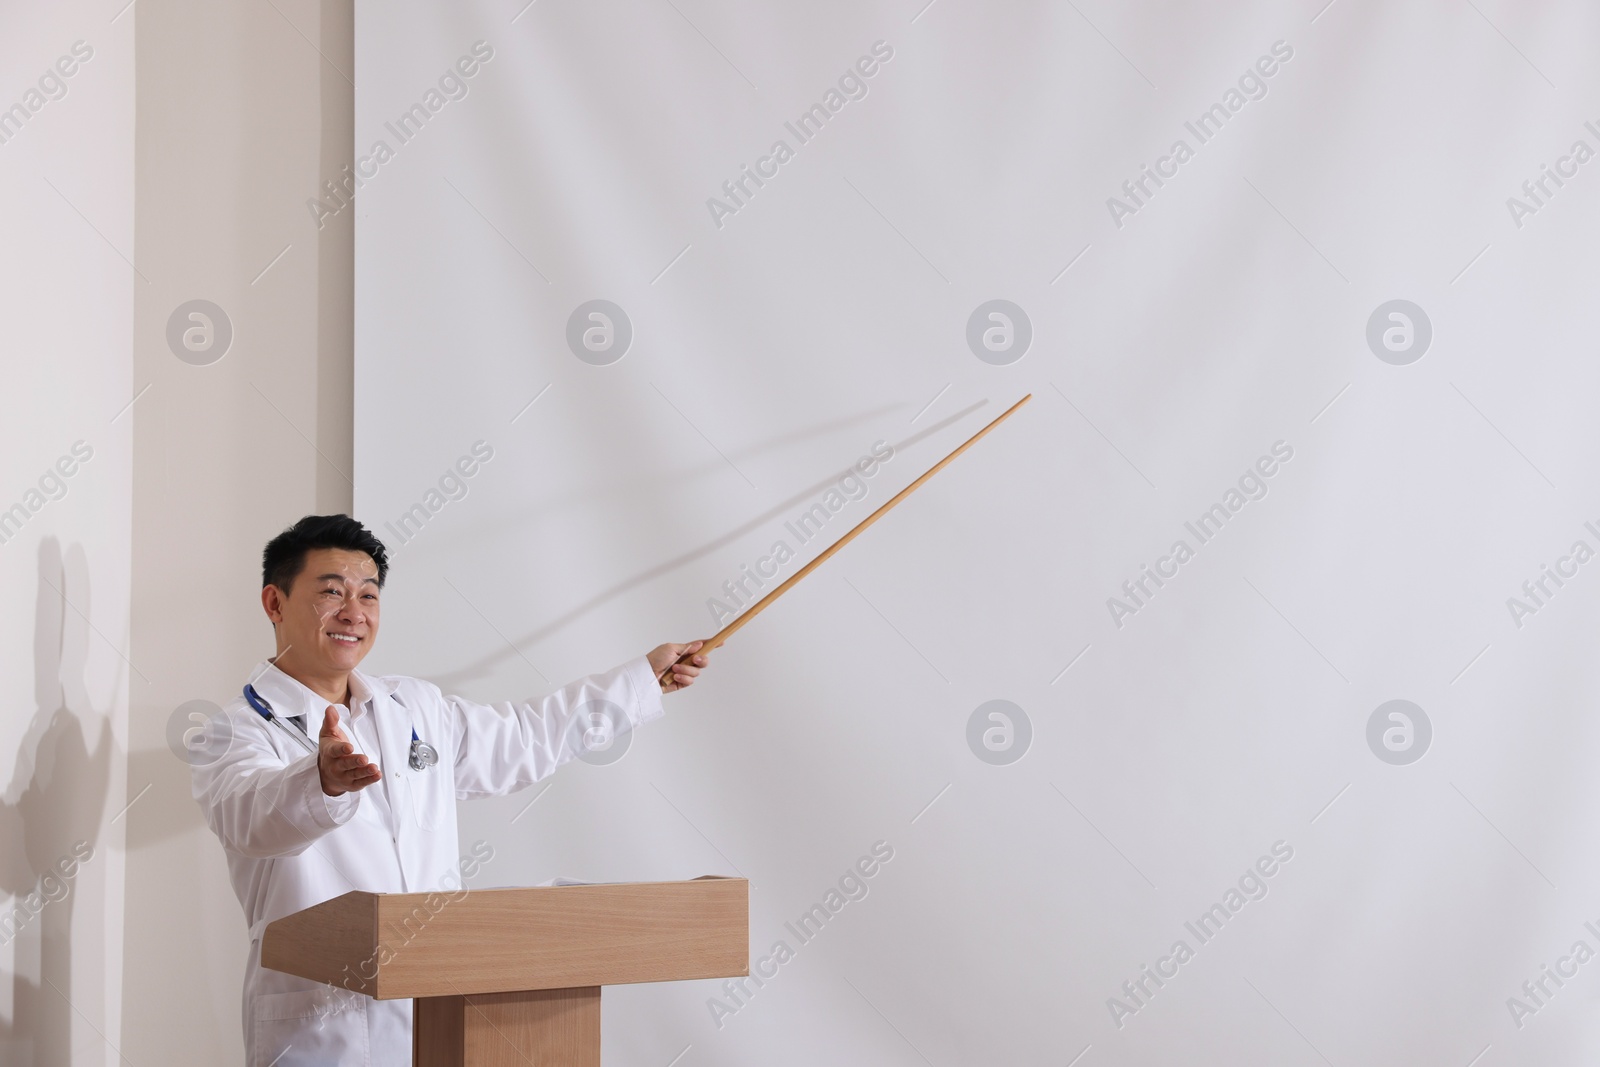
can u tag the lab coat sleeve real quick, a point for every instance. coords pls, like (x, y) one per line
(501, 748)
(257, 805)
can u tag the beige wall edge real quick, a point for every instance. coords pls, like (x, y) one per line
(243, 110)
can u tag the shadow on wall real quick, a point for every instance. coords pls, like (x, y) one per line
(50, 818)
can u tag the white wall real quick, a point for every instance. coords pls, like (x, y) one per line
(771, 348)
(66, 176)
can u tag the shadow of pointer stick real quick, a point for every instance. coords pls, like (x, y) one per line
(755, 609)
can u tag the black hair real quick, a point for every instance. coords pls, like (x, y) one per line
(285, 555)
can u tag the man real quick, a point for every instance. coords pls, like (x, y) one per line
(319, 779)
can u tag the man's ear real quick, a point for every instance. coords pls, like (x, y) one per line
(272, 603)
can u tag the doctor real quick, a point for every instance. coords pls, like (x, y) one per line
(319, 779)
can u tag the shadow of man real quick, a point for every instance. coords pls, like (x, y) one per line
(54, 802)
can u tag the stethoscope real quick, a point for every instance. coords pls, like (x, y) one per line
(423, 755)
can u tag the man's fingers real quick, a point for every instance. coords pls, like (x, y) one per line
(684, 654)
(330, 724)
(362, 776)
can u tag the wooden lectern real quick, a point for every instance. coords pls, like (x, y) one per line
(513, 976)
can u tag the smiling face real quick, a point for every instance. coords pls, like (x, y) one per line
(327, 621)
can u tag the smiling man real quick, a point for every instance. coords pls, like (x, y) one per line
(319, 779)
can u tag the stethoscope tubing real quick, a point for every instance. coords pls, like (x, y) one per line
(262, 709)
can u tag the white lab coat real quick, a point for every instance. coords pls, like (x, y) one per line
(289, 845)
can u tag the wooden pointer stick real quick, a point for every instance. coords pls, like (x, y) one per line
(755, 609)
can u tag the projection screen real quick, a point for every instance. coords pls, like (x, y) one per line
(1229, 704)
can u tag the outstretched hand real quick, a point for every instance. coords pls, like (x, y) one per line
(673, 675)
(343, 769)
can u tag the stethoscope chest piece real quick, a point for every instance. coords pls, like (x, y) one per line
(422, 755)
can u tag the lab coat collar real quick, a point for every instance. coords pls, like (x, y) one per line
(288, 696)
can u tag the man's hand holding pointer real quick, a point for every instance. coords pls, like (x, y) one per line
(673, 675)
